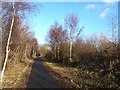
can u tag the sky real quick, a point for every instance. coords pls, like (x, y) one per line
(92, 15)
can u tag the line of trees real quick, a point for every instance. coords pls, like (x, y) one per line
(61, 38)
(18, 43)
(97, 54)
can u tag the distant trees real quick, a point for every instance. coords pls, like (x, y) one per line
(57, 37)
(43, 49)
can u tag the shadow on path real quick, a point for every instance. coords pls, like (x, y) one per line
(40, 77)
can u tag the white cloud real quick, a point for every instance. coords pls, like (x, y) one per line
(90, 6)
(105, 13)
(110, 3)
(110, 0)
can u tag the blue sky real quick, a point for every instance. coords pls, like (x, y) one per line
(91, 15)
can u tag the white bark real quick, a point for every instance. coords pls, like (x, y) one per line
(58, 52)
(70, 51)
(71, 44)
(7, 46)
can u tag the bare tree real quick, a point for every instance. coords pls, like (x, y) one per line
(7, 50)
(71, 23)
(12, 14)
(113, 24)
(56, 37)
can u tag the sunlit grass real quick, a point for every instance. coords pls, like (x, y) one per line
(12, 76)
(82, 77)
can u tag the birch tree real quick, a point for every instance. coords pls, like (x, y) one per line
(71, 23)
(8, 41)
(10, 12)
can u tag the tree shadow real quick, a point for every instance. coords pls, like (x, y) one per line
(40, 76)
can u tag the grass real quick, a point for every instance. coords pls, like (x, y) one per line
(83, 77)
(12, 76)
(66, 72)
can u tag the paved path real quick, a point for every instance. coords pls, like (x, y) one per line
(40, 77)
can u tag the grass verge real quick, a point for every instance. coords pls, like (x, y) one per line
(12, 78)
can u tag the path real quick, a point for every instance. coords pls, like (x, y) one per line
(40, 77)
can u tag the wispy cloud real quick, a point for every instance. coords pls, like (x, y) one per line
(110, 0)
(110, 3)
(105, 13)
(90, 6)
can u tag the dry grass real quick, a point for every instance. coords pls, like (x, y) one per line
(13, 76)
(68, 73)
(82, 77)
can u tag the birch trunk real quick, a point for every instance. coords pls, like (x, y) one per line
(58, 52)
(71, 44)
(7, 46)
(70, 51)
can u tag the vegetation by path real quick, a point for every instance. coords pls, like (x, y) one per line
(17, 76)
(80, 77)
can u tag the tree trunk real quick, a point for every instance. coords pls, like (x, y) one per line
(58, 50)
(55, 50)
(31, 52)
(25, 50)
(71, 44)
(70, 51)
(16, 55)
(7, 46)
(0, 42)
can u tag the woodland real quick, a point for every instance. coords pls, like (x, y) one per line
(91, 63)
